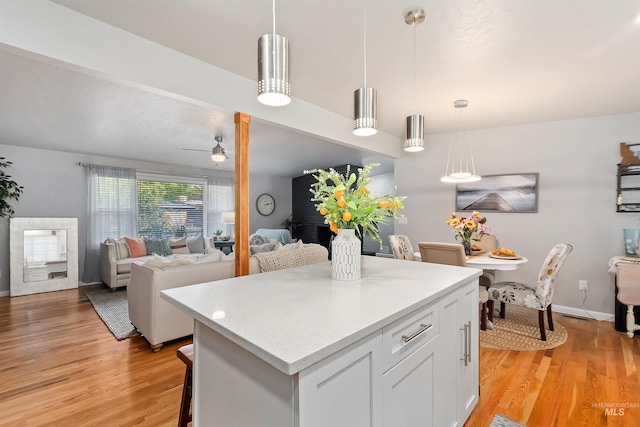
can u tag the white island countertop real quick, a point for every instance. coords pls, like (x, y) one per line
(296, 317)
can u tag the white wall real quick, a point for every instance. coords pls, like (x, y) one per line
(576, 161)
(54, 186)
(280, 188)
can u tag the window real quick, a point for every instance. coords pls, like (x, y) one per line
(122, 202)
(170, 207)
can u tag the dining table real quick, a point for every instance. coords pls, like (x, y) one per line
(487, 261)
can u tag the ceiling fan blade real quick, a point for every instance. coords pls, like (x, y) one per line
(195, 149)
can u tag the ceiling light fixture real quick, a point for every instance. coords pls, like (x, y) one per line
(365, 100)
(460, 165)
(414, 130)
(273, 68)
(218, 154)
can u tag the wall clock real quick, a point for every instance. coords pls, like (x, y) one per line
(265, 204)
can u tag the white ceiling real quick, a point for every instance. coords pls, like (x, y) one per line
(516, 62)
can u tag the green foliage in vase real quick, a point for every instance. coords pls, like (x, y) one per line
(345, 201)
(9, 190)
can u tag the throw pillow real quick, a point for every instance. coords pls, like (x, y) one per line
(195, 244)
(137, 247)
(256, 240)
(267, 247)
(178, 245)
(296, 245)
(157, 246)
(121, 248)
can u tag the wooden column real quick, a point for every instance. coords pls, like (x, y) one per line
(241, 250)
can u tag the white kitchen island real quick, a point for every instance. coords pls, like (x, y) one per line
(295, 348)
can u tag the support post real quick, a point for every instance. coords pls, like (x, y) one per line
(242, 122)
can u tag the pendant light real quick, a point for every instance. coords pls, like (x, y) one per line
(365, 100)
(273, 67)
(460, 166)
(414, 130)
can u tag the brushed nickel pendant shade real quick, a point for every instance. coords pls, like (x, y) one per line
(365, 111)
(414, 133)
(460, 164)
(273, 68)
(414, 130)
(365, 100)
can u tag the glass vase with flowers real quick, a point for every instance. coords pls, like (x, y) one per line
(346, 203)
(469, 229)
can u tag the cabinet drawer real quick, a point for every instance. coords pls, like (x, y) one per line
(406, 335)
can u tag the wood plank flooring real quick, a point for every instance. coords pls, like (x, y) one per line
(60, 366)
(569, 385)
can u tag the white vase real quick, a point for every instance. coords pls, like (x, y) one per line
(345, 255)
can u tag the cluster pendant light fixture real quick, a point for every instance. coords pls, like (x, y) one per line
(273, 67)
(365, 121)
(460, 165)
(414, 130)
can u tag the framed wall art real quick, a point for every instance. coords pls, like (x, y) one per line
(499, 193)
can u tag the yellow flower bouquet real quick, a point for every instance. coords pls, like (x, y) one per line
(468, 229)
(345, 201)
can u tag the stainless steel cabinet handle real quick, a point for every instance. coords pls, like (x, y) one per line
(469, 341)
(466, 357)
(423, 328)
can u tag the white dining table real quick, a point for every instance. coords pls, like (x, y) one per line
(486, 262)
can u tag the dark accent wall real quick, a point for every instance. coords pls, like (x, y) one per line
(304, 210)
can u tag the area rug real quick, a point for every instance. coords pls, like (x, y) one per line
(113, 309)
(520, 331)
(500, 421)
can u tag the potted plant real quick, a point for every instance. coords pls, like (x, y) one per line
(9, 189)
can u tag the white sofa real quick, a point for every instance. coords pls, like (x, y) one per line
(115, 272)
(159, 321)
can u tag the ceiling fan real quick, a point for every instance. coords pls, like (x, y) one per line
(218, 154)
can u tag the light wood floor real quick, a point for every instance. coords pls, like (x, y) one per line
(60, 366)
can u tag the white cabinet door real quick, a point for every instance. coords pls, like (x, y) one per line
(468, 372)
(410, 391)
(344, 389)
(457, 357)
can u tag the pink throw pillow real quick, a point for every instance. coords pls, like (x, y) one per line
(137, 247)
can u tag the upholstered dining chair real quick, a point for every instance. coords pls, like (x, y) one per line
(401, 247)
(538, 295)
(488, 242)
(453, 254)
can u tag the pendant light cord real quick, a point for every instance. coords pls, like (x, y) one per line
(273, 14)
(414, 67)
(365, 45)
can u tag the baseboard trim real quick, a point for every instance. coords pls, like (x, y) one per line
(4, 293)
(580, 312)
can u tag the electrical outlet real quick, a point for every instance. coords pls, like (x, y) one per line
(583, 285)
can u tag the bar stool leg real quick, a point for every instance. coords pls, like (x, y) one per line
(185, 353)
(185, 405)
